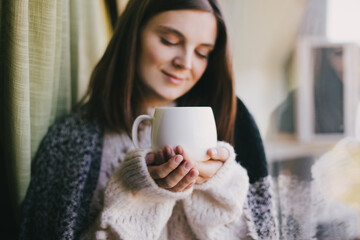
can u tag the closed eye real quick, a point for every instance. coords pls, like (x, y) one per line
(203, 52)
(169, 43)
(205, 56)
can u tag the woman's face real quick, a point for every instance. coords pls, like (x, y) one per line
(175, 46)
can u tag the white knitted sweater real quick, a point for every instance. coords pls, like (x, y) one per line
(132, 206)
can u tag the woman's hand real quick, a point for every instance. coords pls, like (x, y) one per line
(169, 169)
(207, 169)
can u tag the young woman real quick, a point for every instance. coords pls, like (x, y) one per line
(88, 181)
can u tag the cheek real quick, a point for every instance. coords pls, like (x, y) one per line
(199, 69)
(154, 54)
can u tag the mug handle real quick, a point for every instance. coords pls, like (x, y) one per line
(134, 132)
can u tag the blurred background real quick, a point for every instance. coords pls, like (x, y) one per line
(296, 66)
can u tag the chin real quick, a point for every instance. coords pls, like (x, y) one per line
(169, 94)
(167, 99)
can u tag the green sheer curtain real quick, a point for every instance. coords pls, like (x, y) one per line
(47, 52)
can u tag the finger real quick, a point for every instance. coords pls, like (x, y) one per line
(218, 153)
(179, 150)
(150, 158)
(159, 157)
(163, 170)
(169, 152)
(187, 181)
(189, 186)
(176, 176)
(200, 180)
(208, 168)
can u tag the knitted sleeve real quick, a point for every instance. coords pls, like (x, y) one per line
(216, 205)
(135, 207)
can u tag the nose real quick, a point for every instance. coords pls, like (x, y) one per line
(183, 60)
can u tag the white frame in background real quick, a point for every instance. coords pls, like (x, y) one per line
(305, 115)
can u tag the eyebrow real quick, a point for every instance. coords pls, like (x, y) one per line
(179, 34)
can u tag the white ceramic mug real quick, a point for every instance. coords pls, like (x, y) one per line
(193, 128)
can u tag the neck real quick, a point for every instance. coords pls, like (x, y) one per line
(153, 101)
(149, 107)
(158, 104)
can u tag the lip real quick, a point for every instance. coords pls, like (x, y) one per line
(173, 78)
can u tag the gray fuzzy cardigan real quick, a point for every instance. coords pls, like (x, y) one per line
(66, 168)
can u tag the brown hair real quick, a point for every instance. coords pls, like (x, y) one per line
(115, 91)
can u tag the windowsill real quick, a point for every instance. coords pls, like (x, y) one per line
(287, 147)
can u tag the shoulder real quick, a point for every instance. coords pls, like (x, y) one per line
(248, 144)
(70, 135)
(243, 115)
(245, 123)
(72, 127)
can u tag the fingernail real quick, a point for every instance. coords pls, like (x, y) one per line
(168, 150)
(179, 149)
(194, 173)
(178, 158)
(149, 158)
(188, 165)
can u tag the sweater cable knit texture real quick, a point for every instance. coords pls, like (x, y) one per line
(66, 173)
(136, 208)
